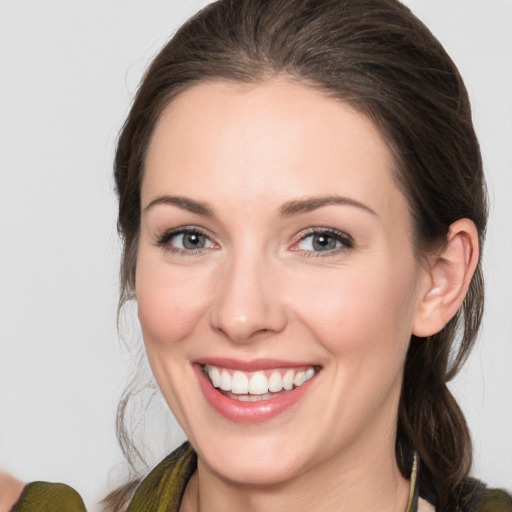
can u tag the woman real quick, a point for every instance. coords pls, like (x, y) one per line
(302, 207)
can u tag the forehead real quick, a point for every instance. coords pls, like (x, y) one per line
(275, 140)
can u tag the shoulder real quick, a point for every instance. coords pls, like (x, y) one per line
(477, 497)
(49, 497)
(496, 500)
(166, 483)
(163, 486)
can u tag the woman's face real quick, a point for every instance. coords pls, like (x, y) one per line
(275, 255)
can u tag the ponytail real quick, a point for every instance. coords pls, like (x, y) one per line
(429, 419)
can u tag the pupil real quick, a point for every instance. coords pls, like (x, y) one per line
(323, 243)
(193, 241)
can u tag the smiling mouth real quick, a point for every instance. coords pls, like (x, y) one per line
(258, 385)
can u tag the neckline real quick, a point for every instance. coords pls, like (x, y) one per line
(166, 483)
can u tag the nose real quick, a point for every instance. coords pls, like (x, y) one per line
(248, 302)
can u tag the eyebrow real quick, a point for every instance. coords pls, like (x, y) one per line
(184, 203)
(309, 204)
(289, 208)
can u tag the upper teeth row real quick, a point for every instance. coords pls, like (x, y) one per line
(257, 383)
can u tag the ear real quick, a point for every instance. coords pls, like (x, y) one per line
(449, 275)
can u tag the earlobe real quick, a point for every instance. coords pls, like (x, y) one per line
(449, 274)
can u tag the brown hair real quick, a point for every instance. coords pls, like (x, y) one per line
(378, 57)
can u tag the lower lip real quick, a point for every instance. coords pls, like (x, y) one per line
(249, 412)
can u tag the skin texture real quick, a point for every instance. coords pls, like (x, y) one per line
(10, 490)
(259, 289)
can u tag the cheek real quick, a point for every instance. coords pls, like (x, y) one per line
(353, 309)
(170, 302)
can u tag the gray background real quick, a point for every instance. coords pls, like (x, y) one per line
(68, 70)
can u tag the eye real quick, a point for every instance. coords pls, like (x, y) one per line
(326, 240)
(185, 240)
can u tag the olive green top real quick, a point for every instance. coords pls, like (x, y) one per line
(163, 488)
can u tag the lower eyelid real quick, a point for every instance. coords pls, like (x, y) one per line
(346, 241)
(166, 236)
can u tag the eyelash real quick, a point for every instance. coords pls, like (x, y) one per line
(345, 241)
(165, 239)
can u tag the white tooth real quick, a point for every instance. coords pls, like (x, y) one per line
(300, 378)
(214, 375)
(258, 384)
(275, 382)
(240, 383)
(310, 372)
(225, 381)
(288, 380)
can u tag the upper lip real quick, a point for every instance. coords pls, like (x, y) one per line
(252, 365)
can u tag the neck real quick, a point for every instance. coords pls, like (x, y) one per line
(364, 480)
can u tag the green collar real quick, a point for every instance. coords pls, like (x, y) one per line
(163, 488)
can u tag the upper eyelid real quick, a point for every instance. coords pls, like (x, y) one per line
(325, 230)
(315, 229)
(166, 235)
(169, 233)
(346, 240)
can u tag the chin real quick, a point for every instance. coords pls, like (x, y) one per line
(249, 469)
(257, 459)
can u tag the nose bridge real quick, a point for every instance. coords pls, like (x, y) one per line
(247, 301)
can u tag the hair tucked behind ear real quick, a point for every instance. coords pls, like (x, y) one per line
(430, 420)
(376, 56)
